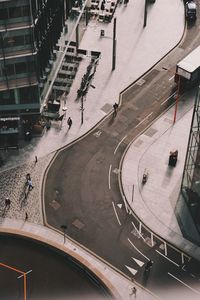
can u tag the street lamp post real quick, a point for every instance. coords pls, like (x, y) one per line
(114, 45)
(145, 13)
(82, 109)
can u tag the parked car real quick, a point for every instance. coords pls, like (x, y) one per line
(190, 11)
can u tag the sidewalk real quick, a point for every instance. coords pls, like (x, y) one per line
(138, 49)
(156, 202)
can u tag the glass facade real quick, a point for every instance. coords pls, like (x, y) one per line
(190, 187)
(29, 30)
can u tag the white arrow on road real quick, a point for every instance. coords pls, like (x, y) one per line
(139, 262)
(119, 205)
(133, 271)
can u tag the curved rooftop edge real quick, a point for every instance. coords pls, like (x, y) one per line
(119, 286)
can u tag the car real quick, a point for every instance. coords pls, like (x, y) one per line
(190, 11)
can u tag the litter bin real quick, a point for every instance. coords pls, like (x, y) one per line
(173, 156)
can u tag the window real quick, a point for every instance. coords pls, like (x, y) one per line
(25, 11)
(29, 95)
(15, 12)
(20, 68)
(3, 14)
(10, 70)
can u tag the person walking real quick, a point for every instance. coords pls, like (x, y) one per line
(36, 159)
(30, 186)
(7, 203)
(115, 107)
(28, 177)
(69, 122)
(26, 216)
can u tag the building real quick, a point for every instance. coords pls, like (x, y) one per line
(29, 30)
(190, 187)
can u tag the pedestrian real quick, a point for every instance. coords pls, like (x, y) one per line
(148, 265)
(36, 159)
(28, 177)
(115, 107)
(7, 203)
(102, 5)
(26, 216)
(69, 122)
(30, 186)
(134, 291)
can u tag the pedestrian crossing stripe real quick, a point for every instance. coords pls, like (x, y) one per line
(133, 271)
(119, 205)
(139, 262)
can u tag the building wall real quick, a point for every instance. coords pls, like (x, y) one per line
(29, 30)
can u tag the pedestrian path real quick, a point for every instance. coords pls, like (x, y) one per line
(156, 202)
(138, 49)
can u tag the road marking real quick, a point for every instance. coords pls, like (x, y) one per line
(119, 205)
(109, 176)
(138, 231)
(144, 120)
(138, 250)
(168, 98)
(139, 262)
(119, 144)
(133, 271)
(116, 213)
(189, 287)
(24, 273)
(168, 258)
(171, 78)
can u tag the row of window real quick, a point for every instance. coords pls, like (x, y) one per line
(15, 41)
(14, 12)
(25, 95)
(17, 68)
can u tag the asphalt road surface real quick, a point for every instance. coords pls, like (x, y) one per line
(50, 275)
(83, 183)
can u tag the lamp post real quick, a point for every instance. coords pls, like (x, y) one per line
(145, 13)
(64, 228)
(114, 45)
(82, 109)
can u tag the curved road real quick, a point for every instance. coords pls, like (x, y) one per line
(82, 189)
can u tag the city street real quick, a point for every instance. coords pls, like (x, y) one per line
(78, 194)
(82, 189)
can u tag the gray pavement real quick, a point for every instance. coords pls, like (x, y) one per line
(138, 49)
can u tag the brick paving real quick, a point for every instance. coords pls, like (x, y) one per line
(13, 185)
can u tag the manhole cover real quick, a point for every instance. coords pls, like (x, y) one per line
(106, 108)
(78, 224)
(150, 132)
(138, 143)
(54, 204)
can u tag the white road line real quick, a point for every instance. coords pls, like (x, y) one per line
(144, 120)
(168, 258)
(189, 287)
(116, 213)
(171, 78)
(138, 250)
(138, 231)
(109, 176)
(25, 273)
(119, 144)
(168, 98)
